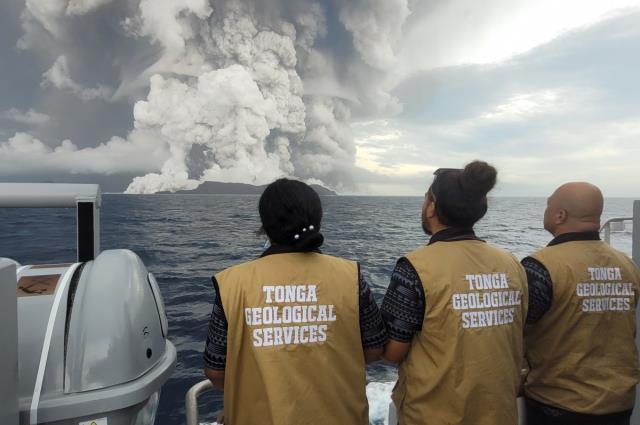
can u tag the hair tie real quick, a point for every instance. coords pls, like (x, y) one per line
(304, 230)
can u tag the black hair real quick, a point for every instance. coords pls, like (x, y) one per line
(461, 194)
(287, 208)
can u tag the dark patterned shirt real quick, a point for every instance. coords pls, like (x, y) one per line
(404, 304)
(540, 289)
(372, 329)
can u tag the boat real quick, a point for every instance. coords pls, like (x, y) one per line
(85, 343)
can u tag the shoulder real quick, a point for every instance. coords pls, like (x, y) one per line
(625, 260)
(404, 266)
(418, 253)
(624, 257)
(546, 253)
(502, 252)
(338, 263)
(508, 259)
(329, 257)
(237, 268)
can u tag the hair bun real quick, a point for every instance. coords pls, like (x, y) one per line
(309, 241)
(478, 178)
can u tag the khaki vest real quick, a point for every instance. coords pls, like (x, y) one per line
(464, 366)
(294, 350)
(582, 353)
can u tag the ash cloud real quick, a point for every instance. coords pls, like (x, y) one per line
(242, 91)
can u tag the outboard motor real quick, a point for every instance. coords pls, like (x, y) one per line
(92, 335)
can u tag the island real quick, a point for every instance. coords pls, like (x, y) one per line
(218, 188)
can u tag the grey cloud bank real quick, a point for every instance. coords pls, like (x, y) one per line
(225, 99)
(162, 95)
(567, 110)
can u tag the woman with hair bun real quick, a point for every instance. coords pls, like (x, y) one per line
(291, 331)
(455, 311)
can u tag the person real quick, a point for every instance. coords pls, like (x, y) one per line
(455, 312)
(291, 331)
(580, 333)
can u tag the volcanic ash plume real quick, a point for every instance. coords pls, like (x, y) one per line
(238, 91)
(232, 122)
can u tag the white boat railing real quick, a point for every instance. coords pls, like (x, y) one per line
(85, 198)
(615, 224)
(191, 400)
(9, 406)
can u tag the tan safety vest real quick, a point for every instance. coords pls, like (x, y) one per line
(294, 350)
(582, 353)
(464, 367)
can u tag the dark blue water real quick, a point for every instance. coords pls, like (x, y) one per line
(184, 239)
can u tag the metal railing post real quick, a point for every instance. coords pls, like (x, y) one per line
(9, 338)
(191, 401)
(635, 253)
(85, 198)
(635, 248)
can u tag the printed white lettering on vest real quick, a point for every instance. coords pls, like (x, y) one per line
(290, 293)
(605, 273)
(257, 337)
(605, 292)
(268, 290)
(481, 319)
(487, 281)
(478, 300)
(290, 335)
(496, 308)
(305, 318)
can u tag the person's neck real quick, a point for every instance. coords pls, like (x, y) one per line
(438, 227)
(576, 229)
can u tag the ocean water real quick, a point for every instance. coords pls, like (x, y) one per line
(184, 239)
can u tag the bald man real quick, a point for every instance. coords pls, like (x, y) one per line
(580, 333)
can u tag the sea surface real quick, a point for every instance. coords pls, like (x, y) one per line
(184, 239)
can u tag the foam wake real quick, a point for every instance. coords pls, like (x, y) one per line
(379, 396)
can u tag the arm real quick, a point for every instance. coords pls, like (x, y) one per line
(373, 354)
(540, 289)
(372, 329)
(396, 351)
(216, 377)
(403, 310)
(215, 353)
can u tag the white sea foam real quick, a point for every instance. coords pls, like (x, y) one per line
(379, 396)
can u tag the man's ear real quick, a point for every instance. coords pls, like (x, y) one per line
(561, 216)
(431, 208)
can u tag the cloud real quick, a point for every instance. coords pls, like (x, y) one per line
(29, 117)
(376, 26)
(282, 49)
(58, 77)
(457, 32)
(357, 94)
(23, 154)
(565, 111)
(225, 114)
(80, 7)
(298, 132)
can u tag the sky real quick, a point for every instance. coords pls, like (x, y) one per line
(368, 97)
